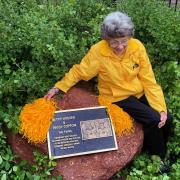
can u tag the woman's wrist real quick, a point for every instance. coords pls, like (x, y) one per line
(56, 89)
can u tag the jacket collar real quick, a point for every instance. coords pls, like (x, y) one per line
(106, 50)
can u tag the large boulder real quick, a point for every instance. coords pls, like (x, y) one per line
(100, 166)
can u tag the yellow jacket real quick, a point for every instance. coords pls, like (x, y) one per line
(118, 77)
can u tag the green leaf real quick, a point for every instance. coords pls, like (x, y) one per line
(1, 160)
(165, 177)
(7, 71)
(36, 177)
(16, 81)
(4, 176)
(15, 168)
(21, 176)
(59, 178)
(7, 166)
(54, 163)
(29, 176)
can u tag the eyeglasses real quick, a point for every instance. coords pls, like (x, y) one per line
(114, 43)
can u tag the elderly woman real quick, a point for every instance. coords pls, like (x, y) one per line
(126, 78)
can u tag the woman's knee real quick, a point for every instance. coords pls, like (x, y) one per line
(169, 119)
(154, 118)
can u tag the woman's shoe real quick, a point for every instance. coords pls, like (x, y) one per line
(164, 168)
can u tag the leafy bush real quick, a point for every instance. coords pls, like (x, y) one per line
(146, 168)
(41, 42)
(157, 26)
(10, 170)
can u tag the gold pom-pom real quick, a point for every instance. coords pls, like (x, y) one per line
(36, 118)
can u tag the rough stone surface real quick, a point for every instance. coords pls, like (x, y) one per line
(99, 166)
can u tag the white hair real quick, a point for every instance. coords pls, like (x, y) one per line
(117, 24)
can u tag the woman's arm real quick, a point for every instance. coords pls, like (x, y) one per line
(152, 90)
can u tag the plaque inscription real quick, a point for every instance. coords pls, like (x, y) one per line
(81, 131)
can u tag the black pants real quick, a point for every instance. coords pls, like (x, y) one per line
(155, 138)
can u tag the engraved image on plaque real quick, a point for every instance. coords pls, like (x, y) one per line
(95, 128)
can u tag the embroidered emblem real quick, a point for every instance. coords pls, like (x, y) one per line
(135, 66)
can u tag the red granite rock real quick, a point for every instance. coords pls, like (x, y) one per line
(100, 166)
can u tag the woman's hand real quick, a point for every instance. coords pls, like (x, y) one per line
(163, 118)
(51, 93)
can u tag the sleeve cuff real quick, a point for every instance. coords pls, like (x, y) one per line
(61, 87)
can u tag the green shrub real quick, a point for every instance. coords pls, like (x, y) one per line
(10, 170)
(41, 42)
(157, 26)
(146, 168)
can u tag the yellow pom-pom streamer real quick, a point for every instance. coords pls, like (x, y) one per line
(36, 119)
(122, 122)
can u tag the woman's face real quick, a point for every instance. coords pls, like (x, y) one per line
(118, 45)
